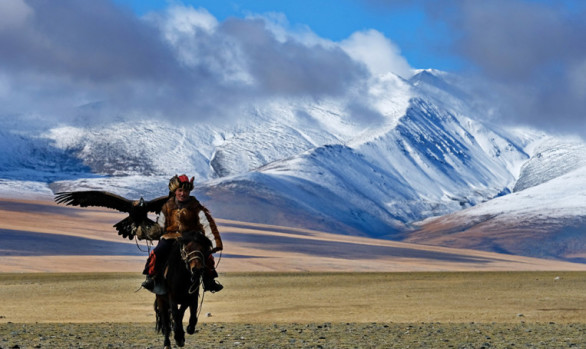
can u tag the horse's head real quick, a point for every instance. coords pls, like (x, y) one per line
(193, 250)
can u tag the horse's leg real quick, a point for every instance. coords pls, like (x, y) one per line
(192, 315)
(178, 324)
(163, 319)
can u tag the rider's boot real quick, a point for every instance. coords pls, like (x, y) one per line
(149, 271)
(212, 285)
(209, 284)
(149, 283)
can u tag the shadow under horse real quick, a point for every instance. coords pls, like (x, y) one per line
(183, 274)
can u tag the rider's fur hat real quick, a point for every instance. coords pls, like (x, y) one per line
(180, 182)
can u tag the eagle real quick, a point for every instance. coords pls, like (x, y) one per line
(136, 224)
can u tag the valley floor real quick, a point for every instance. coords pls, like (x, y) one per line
(68, 281)
(305, 310)
(459, 297)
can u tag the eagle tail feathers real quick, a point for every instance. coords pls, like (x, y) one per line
(126, 228)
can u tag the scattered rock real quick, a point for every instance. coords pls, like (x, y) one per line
(313, 335)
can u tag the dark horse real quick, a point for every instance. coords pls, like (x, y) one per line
(182, 281)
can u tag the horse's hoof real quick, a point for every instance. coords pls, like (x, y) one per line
(190, 329)
(180, 339)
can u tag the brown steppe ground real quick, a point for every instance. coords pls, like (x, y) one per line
(398, 296)
(305, 310)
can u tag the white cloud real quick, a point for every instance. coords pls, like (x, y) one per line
(178, 63)
(377, 52)
(13, 14)
(180, 21)
(193, 35)
(279, 26)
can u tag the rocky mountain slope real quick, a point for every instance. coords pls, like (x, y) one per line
(410, 150)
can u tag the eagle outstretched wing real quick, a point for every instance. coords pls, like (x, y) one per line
(136, 224)
(94, 198)
(155, 205)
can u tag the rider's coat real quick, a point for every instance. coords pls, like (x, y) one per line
(179, 217)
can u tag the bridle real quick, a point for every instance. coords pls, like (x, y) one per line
(188, 257)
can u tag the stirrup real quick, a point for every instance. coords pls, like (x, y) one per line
(212, 286)
(149, 283)
(155, 284)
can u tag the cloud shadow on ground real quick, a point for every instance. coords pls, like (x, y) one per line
(24, 243)
(29, 244)
(345, 250)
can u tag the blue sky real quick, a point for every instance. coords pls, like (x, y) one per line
(200, 58)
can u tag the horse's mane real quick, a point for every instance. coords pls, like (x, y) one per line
(196, 237)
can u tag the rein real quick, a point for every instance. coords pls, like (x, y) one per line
(188, 257)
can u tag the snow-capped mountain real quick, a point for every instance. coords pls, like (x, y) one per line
(424, 151)
(544, 217)
(546, 220)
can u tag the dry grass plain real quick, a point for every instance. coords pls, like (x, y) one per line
(308, 297)
(305, 310)
(284, 288)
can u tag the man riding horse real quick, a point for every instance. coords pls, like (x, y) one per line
(183, 213)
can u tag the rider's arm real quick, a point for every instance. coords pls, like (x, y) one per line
(211, 229)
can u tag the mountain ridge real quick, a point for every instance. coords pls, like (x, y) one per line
(410, 150)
